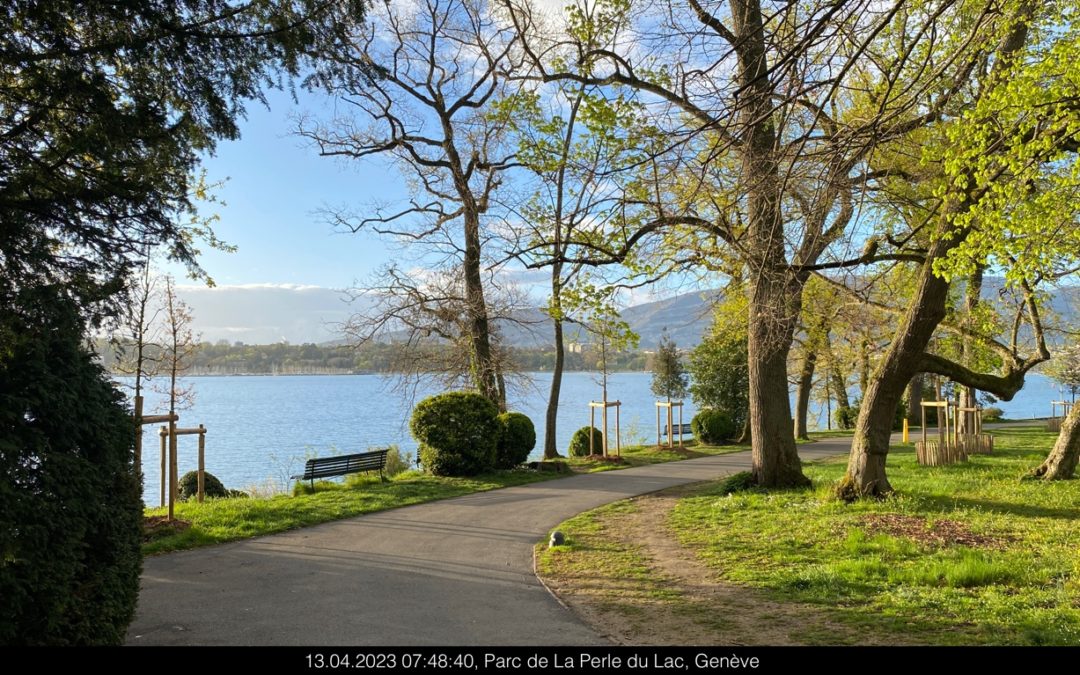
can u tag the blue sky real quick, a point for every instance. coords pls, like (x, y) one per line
(275, 187)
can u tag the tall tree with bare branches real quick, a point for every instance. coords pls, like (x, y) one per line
(416, 81)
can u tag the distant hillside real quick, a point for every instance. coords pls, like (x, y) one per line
(265, 314)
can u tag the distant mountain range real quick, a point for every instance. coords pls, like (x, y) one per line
(270, 313)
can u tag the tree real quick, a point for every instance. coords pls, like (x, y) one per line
(571, 160)
(419, 78)
(70, 500)
(1003, 195)
(105, 109)
(1061, 463)
(1065, 368)
(773, 116)
(139, 346)
(178, 353)
(718, 370)
(669, 379)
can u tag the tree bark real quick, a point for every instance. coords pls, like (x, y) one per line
(483, 366)
(802, 395)
(1061, 463)
(774, 291)
(914, 398)
(551, 450)
(870, 446)
(968, 395)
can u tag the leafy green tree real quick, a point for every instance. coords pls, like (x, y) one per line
(1065, 368)
(669, 378)
(718, 365)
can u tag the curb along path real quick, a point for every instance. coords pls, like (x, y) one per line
(451, 572)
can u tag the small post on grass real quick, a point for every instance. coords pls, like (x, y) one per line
(905, 430)
(202, 461)
(164, 433)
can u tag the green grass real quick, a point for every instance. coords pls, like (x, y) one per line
(221, 520)
(1019, 583)
(642, 455)
(590, 553)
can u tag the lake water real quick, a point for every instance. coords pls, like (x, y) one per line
(260, 429)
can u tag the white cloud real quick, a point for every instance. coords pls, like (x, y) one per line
(221, 288)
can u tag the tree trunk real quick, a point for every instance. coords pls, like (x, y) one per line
(870, 446)
(774, 292)
(1061, 463)
(802, 396)
(775, 456)
(838, 383)
(965, 424)
(914, 398)
(483, 362)
(746, 437)
(864, 367)
(551, 450)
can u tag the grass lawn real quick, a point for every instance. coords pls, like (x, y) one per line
(220, 520)
(964, 554)
(641, 455)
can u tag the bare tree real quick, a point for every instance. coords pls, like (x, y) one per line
(418, 80)
(178, 353)
(138, 346)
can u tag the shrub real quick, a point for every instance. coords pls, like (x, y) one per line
(396, 461)
(458, 433)
(846, 416)
(993, 414)
(70, 500)
(713, 427)
(212, 487)
(516, 440)
(579, 442)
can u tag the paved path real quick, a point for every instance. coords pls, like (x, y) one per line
(452, 572)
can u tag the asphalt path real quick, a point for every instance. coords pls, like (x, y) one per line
(452, 572)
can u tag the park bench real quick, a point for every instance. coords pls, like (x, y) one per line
(327, 467)
(681, 429)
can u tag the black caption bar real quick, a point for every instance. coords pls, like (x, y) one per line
(535, 659)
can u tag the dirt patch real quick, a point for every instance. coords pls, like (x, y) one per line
(681, 601)
(938, 534)
(155, 527)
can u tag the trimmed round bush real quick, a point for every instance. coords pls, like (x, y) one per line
(713, 427)
(516, 441)
(579, 443)
(992, 414)
(458, 433)
(212, 487)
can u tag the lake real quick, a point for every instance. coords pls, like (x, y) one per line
(261, 429)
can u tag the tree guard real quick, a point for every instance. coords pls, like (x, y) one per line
(670, 429)
(1054, 423)
(604, 405)
(952, 446)
(200, 431)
